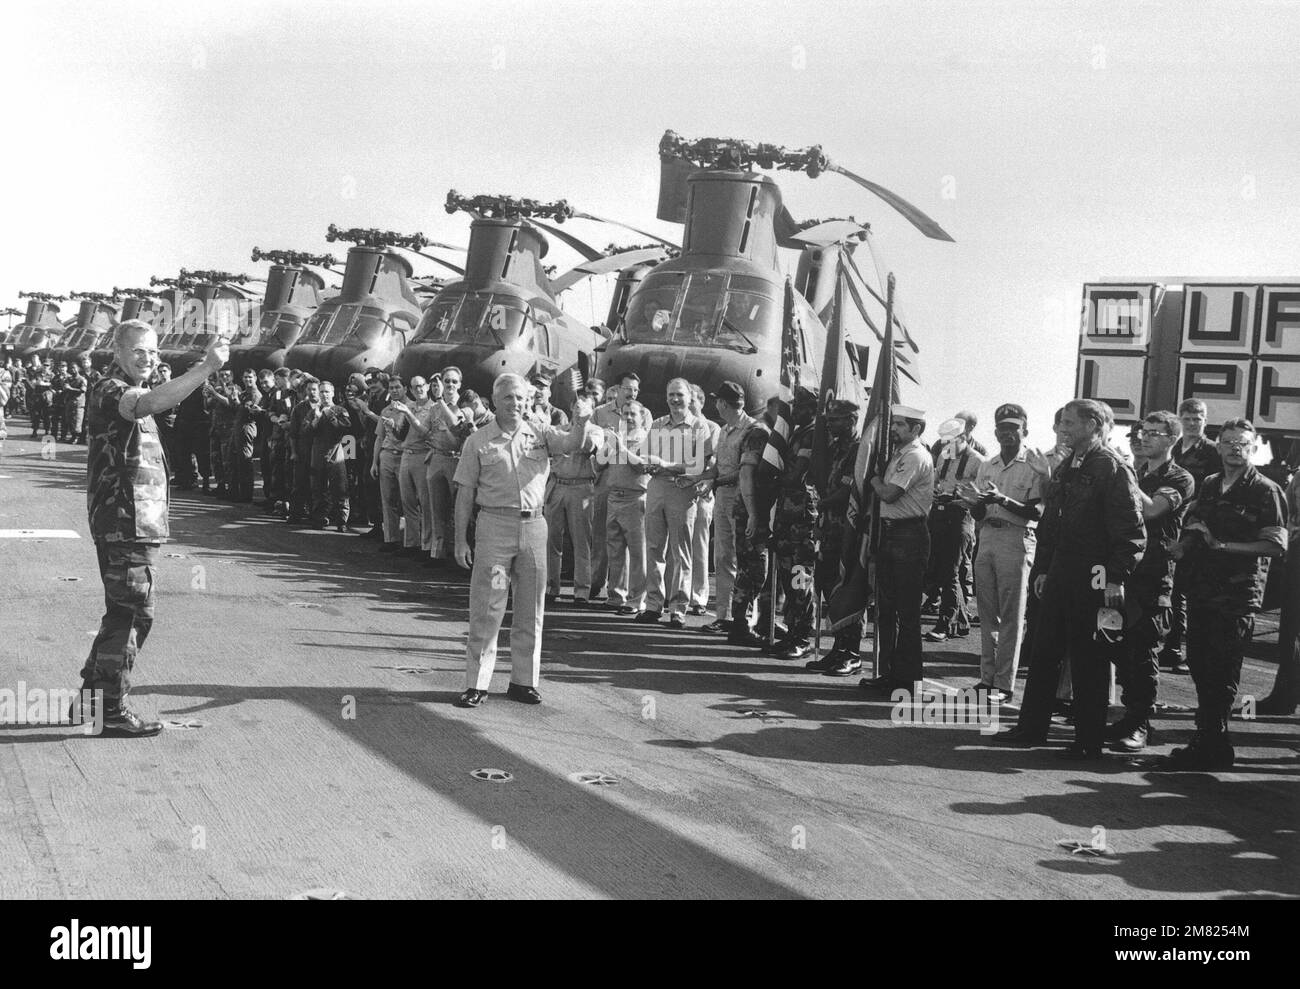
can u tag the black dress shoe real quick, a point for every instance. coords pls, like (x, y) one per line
(1080, 753)
(697, 610)
(648, 618)
(847, 664)
(795, 650)
(884, 685)
(1197, 758)
(125, 723)
(625, 609)
(471, 698)
(676, 622)
(718, 627)
(746, 639)
(522, 694)
(832, 658)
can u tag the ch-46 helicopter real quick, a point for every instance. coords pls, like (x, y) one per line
(41, 328)
(723, 310)
(503, 315)
(376, 311)
(215, 305)
(96, 316)
(293, 293)
(137, 303)
(8, 330)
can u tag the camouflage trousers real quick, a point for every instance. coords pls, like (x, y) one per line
(128, 572)
(74, 420)
(751, 568)
(796, 562)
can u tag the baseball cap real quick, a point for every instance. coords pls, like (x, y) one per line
(730, 392)
(1011, 413)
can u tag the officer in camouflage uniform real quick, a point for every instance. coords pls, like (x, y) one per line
(750, 518)
(796, 531)
(841, 424)
(127, 499)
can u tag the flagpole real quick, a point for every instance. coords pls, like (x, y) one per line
(885, 453)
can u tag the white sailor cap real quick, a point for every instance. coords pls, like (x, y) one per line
(907, 412)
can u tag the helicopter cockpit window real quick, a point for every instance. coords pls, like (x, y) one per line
(318, 326)
(649, 315)
(437, 321)
(509, 322)
(341, 328)
(369, 325)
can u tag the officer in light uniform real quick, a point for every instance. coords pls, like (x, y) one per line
(387, 467)
(703, 514)
(625, 483)
(444, 456)
(729, 402)
(906, 493)
(609, 416)
(414, 429)
(679, 444)
(502, 472)
(568, 512)
(1005, 502)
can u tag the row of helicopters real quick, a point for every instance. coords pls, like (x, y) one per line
(718, 307)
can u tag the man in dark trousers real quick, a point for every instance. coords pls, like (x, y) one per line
(277, 404)
(906, 492)
(302, 428)
(1166, 492)
(1196, 454)
(1089, 543)
(334, 445)
(128, 502)
(1234, 528)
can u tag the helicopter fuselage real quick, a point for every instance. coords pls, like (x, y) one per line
(498, 328)
(366, 325)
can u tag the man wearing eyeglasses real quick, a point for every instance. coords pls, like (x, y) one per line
(126, 479)
(1234, 528)
(1166, 490)
(1196, 454)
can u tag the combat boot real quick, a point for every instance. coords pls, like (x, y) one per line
(121, 722)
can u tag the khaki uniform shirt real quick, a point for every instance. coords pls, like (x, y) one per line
(911, 469)
(509, 470)
(1017, 480)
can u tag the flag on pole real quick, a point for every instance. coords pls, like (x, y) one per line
(778, 439)
(848, 602)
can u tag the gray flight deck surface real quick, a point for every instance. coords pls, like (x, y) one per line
(738, 775)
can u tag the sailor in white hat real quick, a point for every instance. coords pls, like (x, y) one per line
(906, 491)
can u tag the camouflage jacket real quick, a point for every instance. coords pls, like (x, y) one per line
(126, 469)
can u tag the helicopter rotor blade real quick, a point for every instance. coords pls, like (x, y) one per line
(588, 252)
(918, 219)
(616, 223)
(607, 264)
(445, 264)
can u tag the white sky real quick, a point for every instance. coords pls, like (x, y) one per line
(1083, 141)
